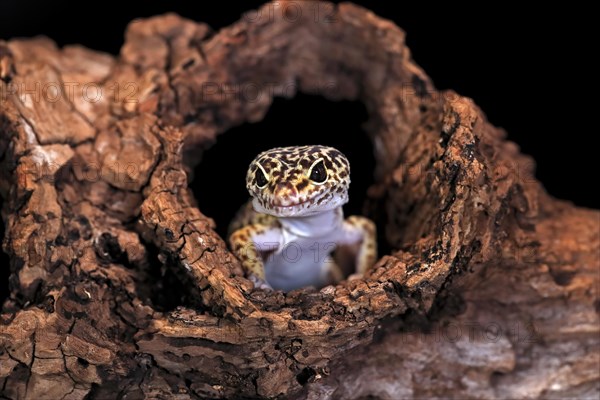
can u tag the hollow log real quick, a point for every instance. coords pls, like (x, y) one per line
(490, 289)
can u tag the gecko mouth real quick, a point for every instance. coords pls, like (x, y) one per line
(294, 208)
(311, 200)
(315, 204)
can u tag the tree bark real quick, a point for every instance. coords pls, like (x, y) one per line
(491, 290)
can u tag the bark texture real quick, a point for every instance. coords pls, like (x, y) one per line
(491, 290)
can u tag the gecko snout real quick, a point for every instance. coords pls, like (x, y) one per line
(285, 193)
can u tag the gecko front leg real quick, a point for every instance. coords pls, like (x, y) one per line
(362, 230)
(248, 245)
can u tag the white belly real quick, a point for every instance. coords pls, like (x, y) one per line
(299, 262)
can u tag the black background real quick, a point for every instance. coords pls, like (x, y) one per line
(527, 74)
(525, 69)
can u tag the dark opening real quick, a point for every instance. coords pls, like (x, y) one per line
(305, 375)
(170, 285)
(219, 181)
(83, 362)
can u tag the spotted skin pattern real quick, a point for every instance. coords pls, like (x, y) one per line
(286, 236)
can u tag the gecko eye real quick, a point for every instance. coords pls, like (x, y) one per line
(260, 179)
(318, 173)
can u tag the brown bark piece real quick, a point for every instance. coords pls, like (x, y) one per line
(491, 291)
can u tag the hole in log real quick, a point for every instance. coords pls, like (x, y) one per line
(430, 182)
(305, 375)
(170, 288)
(305, 119)
(84, 363)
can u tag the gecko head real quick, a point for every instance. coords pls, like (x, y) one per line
(298, 181)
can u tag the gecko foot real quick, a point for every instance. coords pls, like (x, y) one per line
(259, 283)
(355, 276)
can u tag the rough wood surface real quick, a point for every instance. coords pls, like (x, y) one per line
(491, 290)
